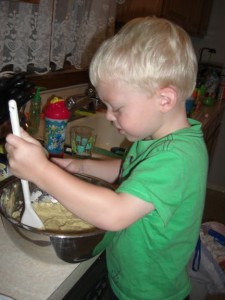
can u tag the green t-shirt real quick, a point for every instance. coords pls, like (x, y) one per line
(148, 260)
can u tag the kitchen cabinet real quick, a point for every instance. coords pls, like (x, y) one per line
(211, 119)
(60, 79)
(132, 9)
(31, 1)
(192, 15)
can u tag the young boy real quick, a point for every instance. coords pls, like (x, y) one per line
(143, 75)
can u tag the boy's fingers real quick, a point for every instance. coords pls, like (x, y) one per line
(13, 139)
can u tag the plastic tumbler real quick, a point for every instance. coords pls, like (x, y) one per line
(82, 140)
(56, 119)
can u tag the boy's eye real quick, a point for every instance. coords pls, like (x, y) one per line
(116, 110)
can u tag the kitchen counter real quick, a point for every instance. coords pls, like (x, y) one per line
(25, 278)
(207, 114)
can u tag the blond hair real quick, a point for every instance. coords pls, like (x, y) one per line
(148, 54)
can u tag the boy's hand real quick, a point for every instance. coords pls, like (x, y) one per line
(27, 158)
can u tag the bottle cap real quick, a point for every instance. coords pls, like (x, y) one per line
(56, 109)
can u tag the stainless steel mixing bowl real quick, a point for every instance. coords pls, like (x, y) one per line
(48, 246)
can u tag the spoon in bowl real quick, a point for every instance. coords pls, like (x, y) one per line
(29, 216)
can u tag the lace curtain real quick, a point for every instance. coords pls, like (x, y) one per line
(53, 31)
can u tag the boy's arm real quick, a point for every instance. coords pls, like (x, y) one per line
(107, 170)
(97, 205)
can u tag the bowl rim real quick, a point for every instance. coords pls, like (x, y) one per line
(51, 233)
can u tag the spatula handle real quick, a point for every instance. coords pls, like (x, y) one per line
(14, 118)
(13, 110)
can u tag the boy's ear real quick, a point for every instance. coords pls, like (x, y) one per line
(168, 98)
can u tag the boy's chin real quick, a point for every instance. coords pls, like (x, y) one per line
(132, 138)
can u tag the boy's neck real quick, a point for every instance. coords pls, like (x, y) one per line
(173, 121)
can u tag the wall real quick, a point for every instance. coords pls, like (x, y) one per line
(215, 36)
(61, 93)
(215, 39)
(64, 92)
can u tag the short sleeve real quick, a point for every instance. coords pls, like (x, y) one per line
(159, 180)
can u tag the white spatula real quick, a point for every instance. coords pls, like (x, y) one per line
(29, 217)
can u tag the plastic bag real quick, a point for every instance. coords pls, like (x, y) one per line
(204, 268)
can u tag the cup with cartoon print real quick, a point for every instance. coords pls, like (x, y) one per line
(82, 140)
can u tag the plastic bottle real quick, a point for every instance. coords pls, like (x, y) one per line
(200, 97)
(56, 118)
(190, 103)
(34, 115)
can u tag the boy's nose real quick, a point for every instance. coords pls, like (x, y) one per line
(110, 115)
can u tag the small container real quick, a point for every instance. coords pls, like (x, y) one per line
(34, 115)
(82, 140)
(208, 101)
(189, 105)
(56, 118)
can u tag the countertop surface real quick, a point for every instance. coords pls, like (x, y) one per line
(25, 278)
(208, 113)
